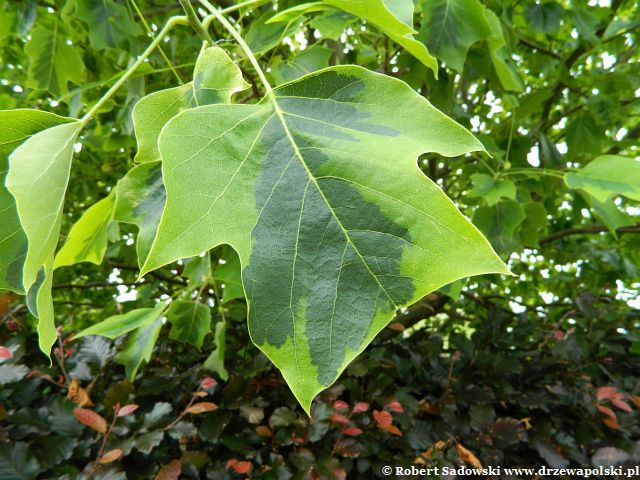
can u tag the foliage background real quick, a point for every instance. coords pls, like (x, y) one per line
(509, 368)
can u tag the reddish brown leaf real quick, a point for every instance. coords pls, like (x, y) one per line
(5, 353)
(392, 429)
(111, 456)
(621, 404)
(340, 405)
(339, 418)
(396, 326)
(467, 457)
(208, 383)
(78, 395)
(263, 431)
(91, 419)
(127, 409)
(239, 467)
(605, 393)
(382, 418)
(607, 411)
(395, 406)
(611, 423)
(635, 399)
(170, 472)
(201, 394)
(348, 447)
(202, 407)
(360, 407)
(353, 432)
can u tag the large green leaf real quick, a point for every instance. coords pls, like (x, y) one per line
(118, 325)
(16, 126)
(607, 175)
(317, 189)
(190, 322)
(215, 79)
(52, 62)
(377, 13)
(451, 26)
(139, 347)
(87, 239)
(110, 25)
(38, 176)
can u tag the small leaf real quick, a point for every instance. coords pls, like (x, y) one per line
(215, 361)
(382, 418)
(118, 325)
(606, 393)
(202, 407)
(139, 347)
(608, 175)
(171, 471)
(264, 431)
(87, 239)
(611, 423)
(360, 407)
(111, 456)
(127, 410)
(17, 462)
(5, 353)
(491, 189)
(607, 411)
(91, 419)
(110, 25)
(622, 405)
(78, 395)
(208, 383)
(239, 467)
(395, 406)
(339, 418)
(468, 457)
(190, 322)
(352, 432)
(340, 405)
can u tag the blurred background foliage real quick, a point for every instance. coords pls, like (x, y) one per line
(538, 368)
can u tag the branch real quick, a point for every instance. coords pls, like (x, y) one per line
(587, 229)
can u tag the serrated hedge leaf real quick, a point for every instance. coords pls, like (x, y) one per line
(317, 189)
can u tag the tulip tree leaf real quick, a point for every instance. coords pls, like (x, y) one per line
(502, 63)
(38, 176)
(215, 361)
(452, 26)
(229, 274)
(377, 13)
(87, 239)
(492, 189)
(607, 175)
(52, 63)
(216, 79)
(317, 189)
(139, 347)
(110, 24)
(499, 223)
(190, 322)
(118, 325)
(16, 126)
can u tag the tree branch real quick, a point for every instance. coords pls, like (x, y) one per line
(585, 230)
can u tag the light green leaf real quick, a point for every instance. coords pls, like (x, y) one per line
(450, 27)
(87, 239)
(499, 224)
(229, 274)
(52, 63)
(139, 348)
(16, 126)
(377, 13)
(216, 79)
(118, 325)
(492, 189)
(309, 60)
(140, 198)
(110, 25)
(264, 34)
(607, 175)
(609, 213)
(401, 9)
(502, 63)
(317, 188)
(38, 176)
(332, 23)
(198, 270)
(190, 322)
(215, 361)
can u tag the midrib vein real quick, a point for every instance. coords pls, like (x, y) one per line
(313, 179)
